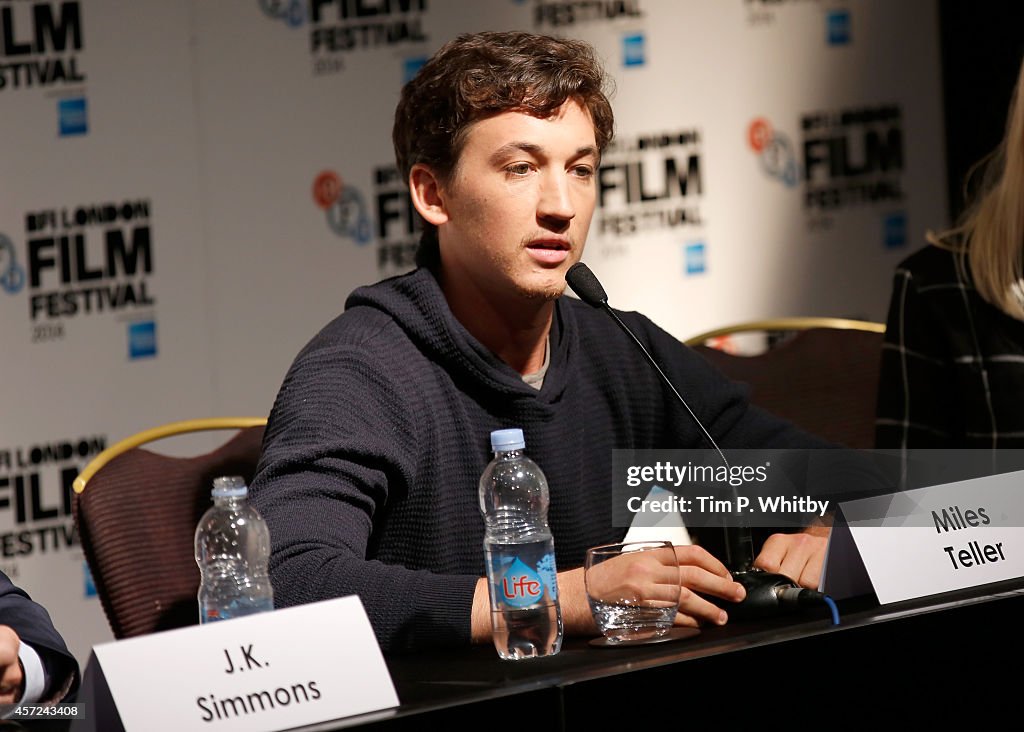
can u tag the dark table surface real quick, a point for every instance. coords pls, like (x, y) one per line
(938, 655)
(934, 660)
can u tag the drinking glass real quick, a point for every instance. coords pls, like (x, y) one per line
(633, 589)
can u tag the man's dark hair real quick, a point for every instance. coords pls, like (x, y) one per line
(479, 75)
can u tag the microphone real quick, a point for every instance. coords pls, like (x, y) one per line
(768, 593)
(586, 285)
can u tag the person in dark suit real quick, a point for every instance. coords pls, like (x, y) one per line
(35, 664)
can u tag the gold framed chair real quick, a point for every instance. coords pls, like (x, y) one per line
(778, 325)
(136, 510)
(823, 378)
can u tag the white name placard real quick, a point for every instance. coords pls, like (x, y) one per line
(930, 540)
(668, 527)
(260, 673)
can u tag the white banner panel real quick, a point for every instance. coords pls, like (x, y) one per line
(303, 204)
(194, 188)
(104, 298)
(773, 159)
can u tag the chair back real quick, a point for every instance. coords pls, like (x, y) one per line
(136, 512)
(824, 378)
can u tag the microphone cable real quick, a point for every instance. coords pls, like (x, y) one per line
(800, 597)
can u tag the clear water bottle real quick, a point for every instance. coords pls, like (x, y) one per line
(519, 552)
(232, 550)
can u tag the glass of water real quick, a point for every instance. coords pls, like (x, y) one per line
(633, 589)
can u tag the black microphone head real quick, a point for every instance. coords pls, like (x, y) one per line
(586, 286)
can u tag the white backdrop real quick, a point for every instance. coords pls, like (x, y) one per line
(205, 182)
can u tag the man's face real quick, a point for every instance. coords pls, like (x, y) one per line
(519, 203)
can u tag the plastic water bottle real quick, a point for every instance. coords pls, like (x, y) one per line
(519, 552)
(232, 550)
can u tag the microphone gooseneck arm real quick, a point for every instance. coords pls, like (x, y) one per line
(739, 545)
(650, 360)
(767, 593)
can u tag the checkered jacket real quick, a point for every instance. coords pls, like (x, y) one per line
(952, 371)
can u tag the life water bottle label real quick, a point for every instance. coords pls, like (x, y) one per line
(519, 583)
(521, 586)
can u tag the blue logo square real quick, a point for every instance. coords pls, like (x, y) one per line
(695, 258)
(72, 117)
(411, 66)
(895, 230)
(837, 23)
(633, 50)
(142, 339)
(90, 585)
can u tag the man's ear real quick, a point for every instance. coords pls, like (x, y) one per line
(427, 197)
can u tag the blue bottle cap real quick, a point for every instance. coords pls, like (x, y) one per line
(504, 440)
(230, 486)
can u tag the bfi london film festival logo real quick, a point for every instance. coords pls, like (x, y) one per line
(290, 12)
(83, 261)
(339, 27)
(348, 216)
(775, 152)
(12, 273)
(649, 184)
(36, 496)
(848, 158)
(344, 207)
(564, 14)
(40, 48)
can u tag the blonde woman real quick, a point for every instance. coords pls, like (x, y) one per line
(953, 361)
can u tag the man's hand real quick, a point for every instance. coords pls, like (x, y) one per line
(12, 679)
(699, 572)
(797, 556)
(649, 578)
